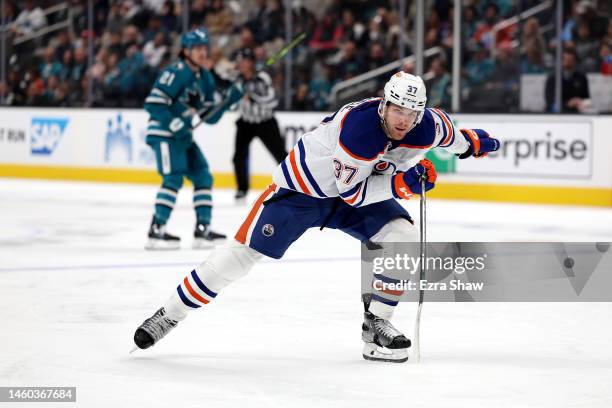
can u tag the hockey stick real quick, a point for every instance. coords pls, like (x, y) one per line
(283, 51)
(269, 62)
(423, 225)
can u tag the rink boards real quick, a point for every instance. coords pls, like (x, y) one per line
(544, 158)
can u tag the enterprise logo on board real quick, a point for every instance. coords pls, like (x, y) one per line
(46, 134)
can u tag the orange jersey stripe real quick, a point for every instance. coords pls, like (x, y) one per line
(449, 132)
(414, 146)
(354, 198)
(344, 118)
(448, 125)
(354, 156)
(193, 292)
(241, 235)
(446, 140)
(298, 177)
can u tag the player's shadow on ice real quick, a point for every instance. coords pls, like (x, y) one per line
(226, 358)
(184, 365)
(515, 359)
(189, 365)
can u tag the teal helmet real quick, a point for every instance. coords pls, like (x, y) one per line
(193, 38)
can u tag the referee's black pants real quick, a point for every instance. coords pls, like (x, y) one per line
(269, 133)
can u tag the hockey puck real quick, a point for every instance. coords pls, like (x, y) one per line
(568, 263)
(602, 246)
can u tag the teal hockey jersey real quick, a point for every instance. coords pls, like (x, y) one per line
(179, 92)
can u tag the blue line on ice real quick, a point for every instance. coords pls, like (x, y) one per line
(159, 265)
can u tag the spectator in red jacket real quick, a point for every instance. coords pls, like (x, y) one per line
(327, 35)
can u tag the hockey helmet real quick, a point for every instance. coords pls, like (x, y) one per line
(407, 91)
(193, 38)
(246, 53)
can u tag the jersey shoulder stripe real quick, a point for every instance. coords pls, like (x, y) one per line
(439, 126)
(296, 173)
(448, 127)
(287, 175)
(307, 172)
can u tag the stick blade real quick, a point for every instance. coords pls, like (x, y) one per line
(416, 341)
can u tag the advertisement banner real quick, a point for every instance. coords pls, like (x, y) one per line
(535, 149)
(564, 157)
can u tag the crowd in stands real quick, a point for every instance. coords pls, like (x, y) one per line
(133, 39)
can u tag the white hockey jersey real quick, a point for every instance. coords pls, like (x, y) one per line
(349, 155)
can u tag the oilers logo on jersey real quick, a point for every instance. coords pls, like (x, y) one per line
(385, 167)
(268, 230)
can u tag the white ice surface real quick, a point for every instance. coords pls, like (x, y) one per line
(75, 282)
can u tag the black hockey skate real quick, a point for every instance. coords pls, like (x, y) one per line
(153, 329)
(205, 238)
(160, 239)
(383, 342)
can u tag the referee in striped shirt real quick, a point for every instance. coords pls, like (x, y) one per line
(256, 119)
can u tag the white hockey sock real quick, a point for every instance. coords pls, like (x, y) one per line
(226, 264)
(381, 310)
(384, 300)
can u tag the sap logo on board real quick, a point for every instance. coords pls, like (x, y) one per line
(118, 140)
(46, 134)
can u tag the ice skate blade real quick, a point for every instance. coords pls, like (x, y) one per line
(160, 245)
(200, 243)
(373, 352)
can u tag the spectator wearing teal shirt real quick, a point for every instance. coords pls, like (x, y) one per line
(50, 67)
(319, 89)
(480, 68)
(131, 70)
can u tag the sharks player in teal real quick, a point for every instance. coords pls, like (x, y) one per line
(184, 94)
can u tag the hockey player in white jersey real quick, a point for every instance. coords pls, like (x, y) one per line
(346, 174)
